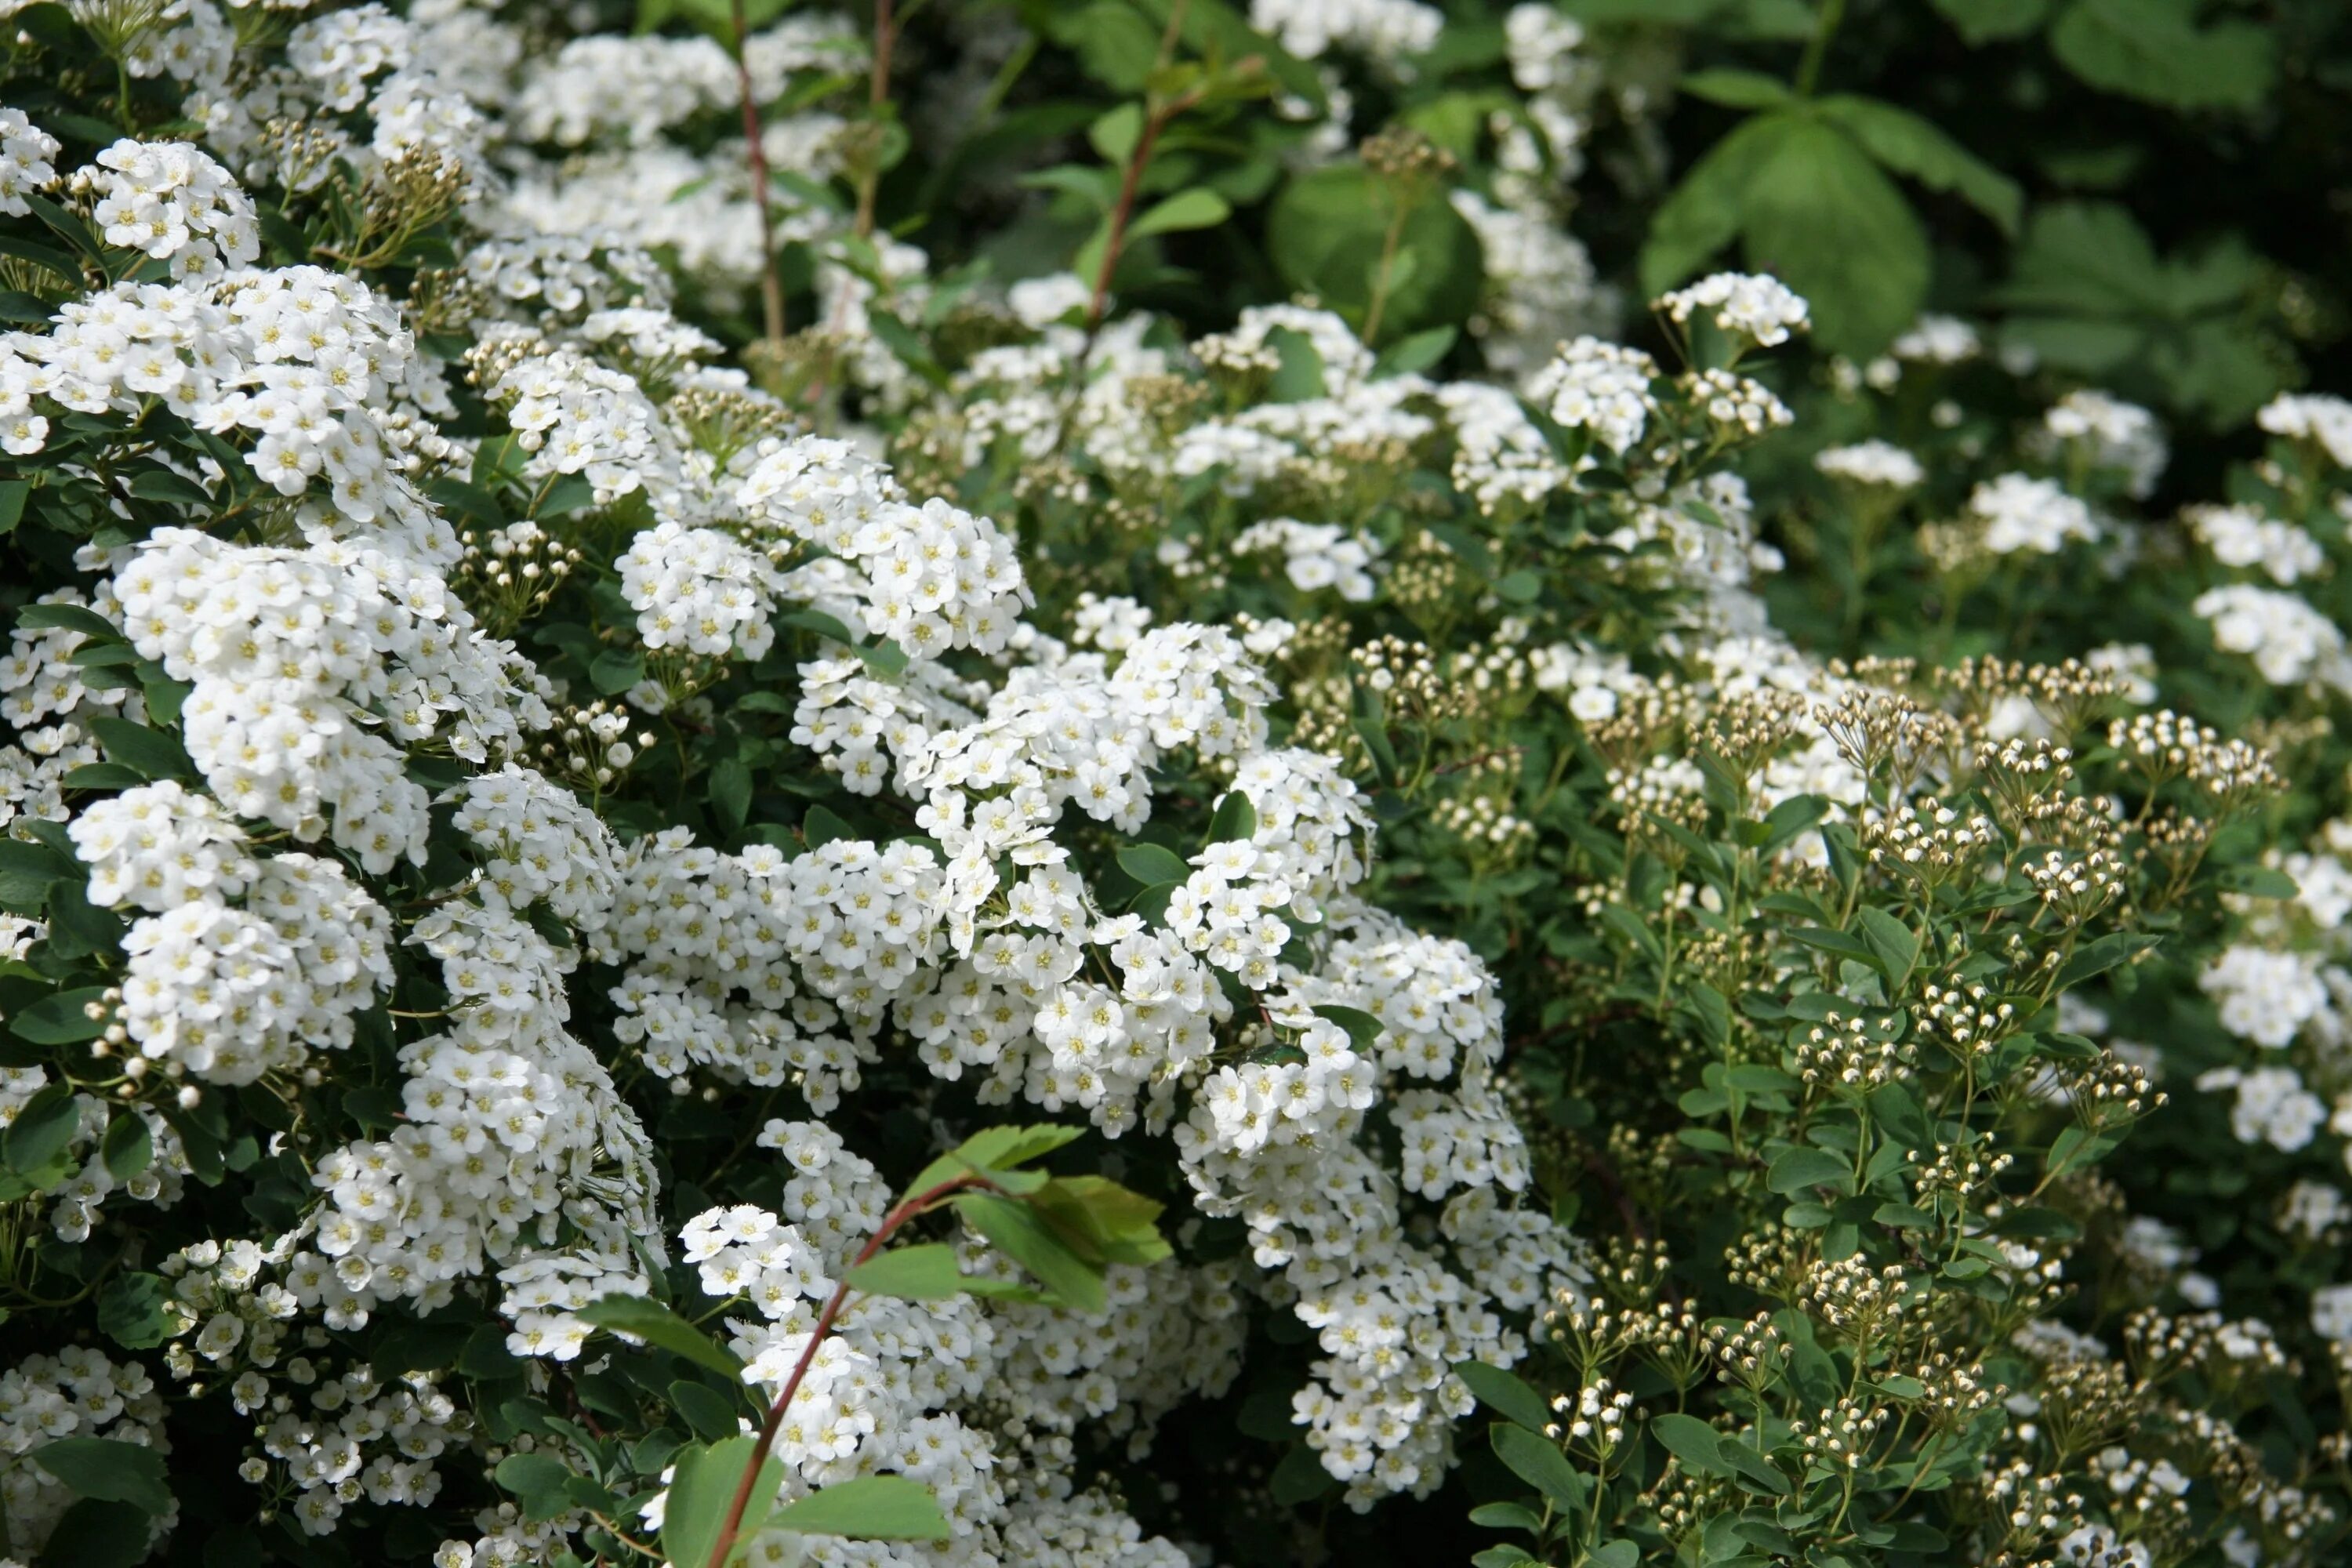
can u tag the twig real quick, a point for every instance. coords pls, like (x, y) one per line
(920, 1203)
(772, 283)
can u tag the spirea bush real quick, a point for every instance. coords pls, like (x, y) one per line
(1022, 785)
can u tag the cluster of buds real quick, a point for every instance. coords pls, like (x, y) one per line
(1928, 840)
(1409, 679)
(2035, 1506)
(1749, 1355)
(1593, 1421)
(1841, 1436)
(114, 1041)
(590, 746)
(1956, 1392)
(1950, 1168)
(1965, 1017)
(1889, 734)
(1488, 824)
(2222, 1348)
(1853, 1298)
(508, 573)
(725, 420)
(1853, 1053)
(1740, 405)
(2017, 772)
(1771, 1260)
(2111, 1092)
(1747, 729)
(2075, 888)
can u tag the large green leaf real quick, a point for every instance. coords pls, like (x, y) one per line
(701, 1491)
(1982, 21)
(1325, 232)
(108, 1469)
(2153, 51)
(1819, 214)
(1703, 214)
(1903, 141)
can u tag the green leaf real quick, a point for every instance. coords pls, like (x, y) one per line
(1537, 1461)
(1151, 865)
(62, 1019)
(28, 872)
(537, 1480)
(1819, 214)
(820, 828)
(1905, 142)
(928, 1272)
(1015, 1230)
(1100, 1221)
(1235, 818)
(1199, 207)
(1894, 950)
(615, 670)
(1415, 353)
(1704, 215)
(94, 1534)
(1299, 367)
(2098, 957)
(129, 1146)
(1299, 1477)
(1982, 21)
(994, 1152)
(1364, 1030)
(656, 1324)
(153, 753)
(2154, 51)
(108, 1469)
(1698, 1444)
(730, 790)
(69, 617)
(1504, 1393)
(132, 1310)
(44, 1126)
(1798, 1169)
(1738, 89)
(1115, 133)
(1326, 231)
(869, 1508)
(710, 1415)
(701, 1491)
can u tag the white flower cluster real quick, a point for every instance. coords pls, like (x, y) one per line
(1315, 555)
(239, 966)
(2113, 435)
(1762, 310)
(1879, 463)
(312, 670)
(2246, 538)
(80, 1392)
(302, 361)
(932, 577)
(25, 152)
(1389, 31)
(2021, 512)
(2312, 416)
(170, 201)
(1598, 386)
(2291, 643)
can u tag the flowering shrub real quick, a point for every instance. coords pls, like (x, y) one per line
(735, 835)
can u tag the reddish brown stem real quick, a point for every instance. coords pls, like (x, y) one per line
(919, 1204)
(1124, 211)
(772, 283)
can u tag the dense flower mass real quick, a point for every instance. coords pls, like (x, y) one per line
(741, 829)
